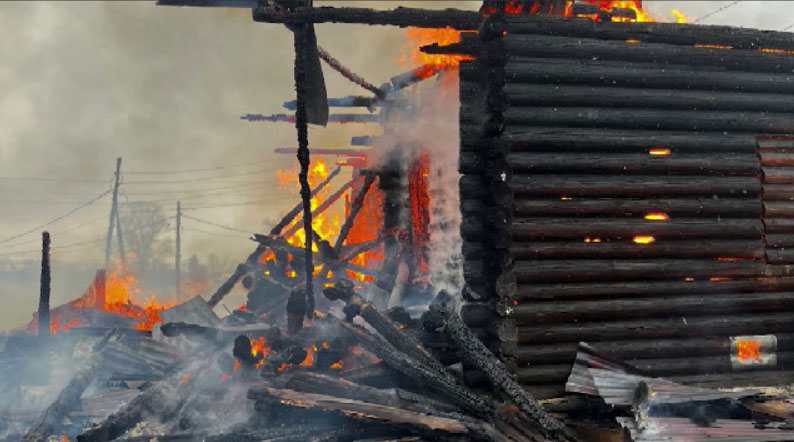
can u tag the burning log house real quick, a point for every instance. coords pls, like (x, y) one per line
(625, 196)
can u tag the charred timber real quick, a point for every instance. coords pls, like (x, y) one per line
(669, 33)
(632, 75)
(477, 354)
(639, 163)
(576, 291)
(498, 192)
(778, 192)
(529, 229)
(778, 175)
(775, 225)
(576, 48)
(44, 289)
(747, 249)
(779, 240)
(402, 17)
(777, 159)
(635, 186)
(642, 349)
(614, 270)
(238, 274)
(674, 327)
(683, 207)
(531, 138)
(355, 207)
(702, 121)
(560, 312)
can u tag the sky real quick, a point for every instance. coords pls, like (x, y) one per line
(82, 83)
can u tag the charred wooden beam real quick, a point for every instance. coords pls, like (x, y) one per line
(714, 121)
(477, 354)
(44, 289)
(238, 274)
(402, 17)
(576, 48)
(355, 207)
(287, 219)
(322, 207)
(669, 33)
(614, 270)
(529, 229)
(681, 207)
(560, 312)
(602, 290)
(778, 192)
(674, 327)
(522, 95)
(635, 186)
(531, 138)
(778, 175)
(638, 163)
(748, 249)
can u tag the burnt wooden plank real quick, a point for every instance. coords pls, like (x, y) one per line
(681, 207)
(551, 185)
(751, 249)
(524, 229)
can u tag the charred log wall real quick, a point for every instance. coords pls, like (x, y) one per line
(630, 186)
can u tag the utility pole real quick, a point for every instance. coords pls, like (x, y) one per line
(121, 240)
(113, 209)
(44, 292)
(177, 256)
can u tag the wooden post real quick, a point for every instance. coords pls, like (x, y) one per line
(113, 209)
(177, 255)
(120, 237)
(44, 293)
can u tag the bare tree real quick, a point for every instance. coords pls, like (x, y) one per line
(144, 225)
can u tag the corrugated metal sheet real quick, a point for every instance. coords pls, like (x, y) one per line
(723, 430)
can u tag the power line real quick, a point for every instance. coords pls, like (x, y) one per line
(239, 204)
(190, 229)
(210, 223)
(19, 235)
(787, 28)
(67, 246)
(34, 178)
(241, 185)
(192, 180)
(716, 11)
(70, 229)
(208, 169)
(209, 195)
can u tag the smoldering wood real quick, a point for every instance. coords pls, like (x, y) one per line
(673, 327)
(473, 187)
(571, 138)
(560, 312)
(779, 240)
(775, 144)
(778, 192)
(328, 202)
(528, 95)
(402, 17)
(58, 410)
(778, 175)
(614, 270)
(777, 159)
(287, 219)
(682, 207)
(238, 274)
(634, 186)
(748, 249)
(782, 256)
(639, 163)
(608, 290)
(529, 229)
(702, 121)
(647, 32)
(355, 207)
(477, 354)
(215, 335)
(402, 363)
(44, 288)
(577, 48)
(776, 225)
(493, 168)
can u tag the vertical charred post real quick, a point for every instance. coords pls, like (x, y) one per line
(486, 197)
(44, 292)
(301, 124)
(392, 183)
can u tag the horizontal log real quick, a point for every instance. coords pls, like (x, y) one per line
(755, 379)
(750, 249)
(521, 95)
(778, 175)
(548, 374)
(777, 159)
(776, 225)
(631, 186)
(638, 163)
(650, 288)
(611, 140)
(577, 48)
(616, 270)
(778, 210)
(560, 312)
(598, 72)
(677, 327)
(780, 256)
(526, 229)
(651, 32)
(779, 240)
(778, 192)
(775, 144)
(640, 349)
(402, 17)
(496, 192)
(658, 119)
(689, 207)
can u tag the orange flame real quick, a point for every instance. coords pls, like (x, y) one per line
(748, 349)
(643, 239)
(431, 63)
(656, 216)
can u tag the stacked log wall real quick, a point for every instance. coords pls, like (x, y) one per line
(646, 200)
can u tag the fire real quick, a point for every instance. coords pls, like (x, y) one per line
(236, 365)
(224, 376)
(64, 438)
(588, 239)
(748, 349)
(186, 378)
(634, 5)
(659, 151)
(656, 216)
(643, 239)
(430, 63)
